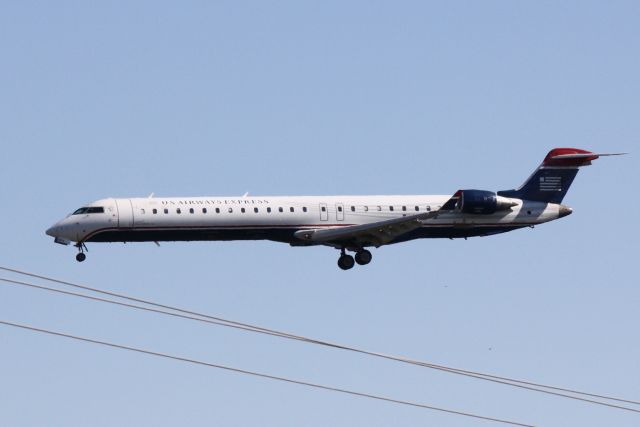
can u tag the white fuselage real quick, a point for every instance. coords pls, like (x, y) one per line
(278, 218)
(349, 223)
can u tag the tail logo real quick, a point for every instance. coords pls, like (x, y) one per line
(550, 183)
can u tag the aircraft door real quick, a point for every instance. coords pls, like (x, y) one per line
(141, 211)
(112, 212)
(125, 212)
(339, 212)
(324, 214)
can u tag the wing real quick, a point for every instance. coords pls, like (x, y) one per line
(372, 234)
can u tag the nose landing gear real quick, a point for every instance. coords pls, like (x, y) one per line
(81, 256)
(346, 262)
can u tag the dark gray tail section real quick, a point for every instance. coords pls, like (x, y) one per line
(545, 185)
(551, 181)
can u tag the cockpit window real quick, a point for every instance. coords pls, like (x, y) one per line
(90, 210)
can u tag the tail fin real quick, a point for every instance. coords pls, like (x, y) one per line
(552, 179)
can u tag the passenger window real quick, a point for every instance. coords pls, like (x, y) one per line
(230, 210)
(166, 211)
(204, 210)
(155, 211)
(178, 210)
(142, 211)
(280, 210)
(417, 208)
(217, 210)
(255, 210)
(190, 210)
(324, 209)
(379, 208)
(428, 208)
(353, 208)
(304, 209)
(242, 210)
(268, 210)
(391, 208)
(339, 208)
(366, 208)
(404, 208)
(291, 209)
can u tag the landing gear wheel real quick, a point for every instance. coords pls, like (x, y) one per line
(81, 248)
(345, 262)
(363, 257)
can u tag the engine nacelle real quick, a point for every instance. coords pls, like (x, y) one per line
(481, 202)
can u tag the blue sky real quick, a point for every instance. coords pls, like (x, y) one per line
(124, 99)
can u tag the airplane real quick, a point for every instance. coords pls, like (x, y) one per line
(347, 223)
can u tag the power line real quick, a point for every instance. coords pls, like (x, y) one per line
(471, 374)
(263, 375)
(532, 386)
(252, 328)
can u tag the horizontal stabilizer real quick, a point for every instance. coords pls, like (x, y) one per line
(573, 157)
(581, 156)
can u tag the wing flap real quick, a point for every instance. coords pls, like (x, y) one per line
(372, 234)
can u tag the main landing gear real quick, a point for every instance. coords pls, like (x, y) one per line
(81, 256)
(346, 262)
(363, 257)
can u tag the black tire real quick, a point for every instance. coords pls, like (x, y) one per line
(81, 257)
(363, 257)
(346, 262)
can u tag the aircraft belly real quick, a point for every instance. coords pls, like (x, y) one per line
(176, 235)
(284, 234)
(454, 232)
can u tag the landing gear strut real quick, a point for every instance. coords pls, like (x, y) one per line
(345, 261)
(81, 256)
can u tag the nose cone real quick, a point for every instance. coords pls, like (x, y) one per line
(59, 232)
(564, 211)
(56, 230)
(51, 231)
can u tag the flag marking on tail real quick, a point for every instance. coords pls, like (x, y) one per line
(550, 183)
